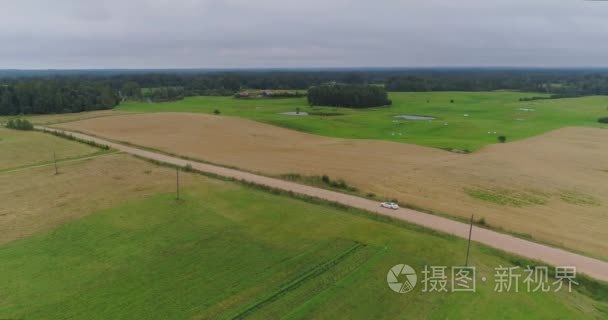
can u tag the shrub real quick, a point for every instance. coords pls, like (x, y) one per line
(502, 139)
(216, 111)
(337, 184)
(325, 179)
(20, 124)
(603, 120)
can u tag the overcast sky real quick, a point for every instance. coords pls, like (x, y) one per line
(311, 33)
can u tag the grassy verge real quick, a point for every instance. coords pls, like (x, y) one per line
(70, 137)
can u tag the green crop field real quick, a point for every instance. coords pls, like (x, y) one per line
(470, 122)
(228, 251)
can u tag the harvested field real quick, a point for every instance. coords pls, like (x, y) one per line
(23, 148)
(36, 199)
(550, 187)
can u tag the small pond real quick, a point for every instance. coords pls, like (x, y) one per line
(294, 113)
(414, 117)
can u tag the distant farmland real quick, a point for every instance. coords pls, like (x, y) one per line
(470, 122)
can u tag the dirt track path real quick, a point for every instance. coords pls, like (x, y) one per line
(556, 257)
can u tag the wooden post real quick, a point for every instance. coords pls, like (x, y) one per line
(55, 162)
(466, 262)
(177, 182)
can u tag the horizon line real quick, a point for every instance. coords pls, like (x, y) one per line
(303, 68)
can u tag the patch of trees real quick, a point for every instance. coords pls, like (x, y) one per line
(286, 94)
(603, 120)
(19, 124)
(55, 96)
(348, 95)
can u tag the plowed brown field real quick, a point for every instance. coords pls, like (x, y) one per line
(550, 187)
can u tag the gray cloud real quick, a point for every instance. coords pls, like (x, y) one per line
(313, 33)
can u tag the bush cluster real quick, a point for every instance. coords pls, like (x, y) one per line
(603, 120)
(20, 124)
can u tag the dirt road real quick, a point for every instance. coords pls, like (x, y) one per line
(556, 257)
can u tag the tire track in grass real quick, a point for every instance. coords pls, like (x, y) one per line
(312, 273)
(301, 311)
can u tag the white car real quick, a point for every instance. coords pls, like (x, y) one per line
(389, 205)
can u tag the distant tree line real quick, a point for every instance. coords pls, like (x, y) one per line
(348, 95)
(24, 92)
(557, 83)
(55, 96)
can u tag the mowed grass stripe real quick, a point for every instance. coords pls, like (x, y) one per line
(298, 282)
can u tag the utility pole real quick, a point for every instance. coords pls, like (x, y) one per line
(466, 263)
(55, 161)
(177, 182)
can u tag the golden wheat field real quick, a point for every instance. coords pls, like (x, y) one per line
(551, 187)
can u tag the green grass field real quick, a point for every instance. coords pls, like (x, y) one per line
(228, 251)
(488, 112)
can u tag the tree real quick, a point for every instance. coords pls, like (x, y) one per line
(603, 120)
(107, 98)
(502, 139)
(131, 90)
